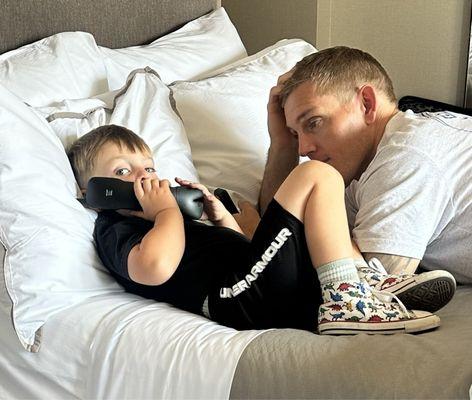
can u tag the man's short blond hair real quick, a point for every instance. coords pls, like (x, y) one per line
(339, 71)
(83, 152)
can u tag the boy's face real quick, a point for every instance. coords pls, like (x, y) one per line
(115, 162)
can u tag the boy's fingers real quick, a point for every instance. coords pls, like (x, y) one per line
(146, 184)
(138, 188)
(164, 183)
(199, 186)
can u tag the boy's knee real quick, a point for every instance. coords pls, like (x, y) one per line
(317, 172)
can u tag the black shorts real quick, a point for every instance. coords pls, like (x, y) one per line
(277, 287)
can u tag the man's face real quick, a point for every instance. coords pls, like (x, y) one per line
(115, 162)
(328, 130)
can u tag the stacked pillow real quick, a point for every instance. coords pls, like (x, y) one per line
(64, 66)
(197, 48)
(70, 65)
(143, 105)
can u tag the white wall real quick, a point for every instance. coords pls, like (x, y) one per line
(423, 44)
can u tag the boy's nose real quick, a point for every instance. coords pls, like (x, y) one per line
(142, 173)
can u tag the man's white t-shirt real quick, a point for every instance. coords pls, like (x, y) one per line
(415, 197)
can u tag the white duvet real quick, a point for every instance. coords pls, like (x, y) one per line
(120, 346)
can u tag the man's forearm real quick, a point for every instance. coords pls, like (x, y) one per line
(280, 162)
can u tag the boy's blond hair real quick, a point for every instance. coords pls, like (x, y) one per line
(339, 71)
(83, 152)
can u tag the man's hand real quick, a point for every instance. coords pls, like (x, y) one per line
(278, 131)
(283, 151)
(248, 218)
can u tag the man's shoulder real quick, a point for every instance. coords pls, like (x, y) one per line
(428, 129)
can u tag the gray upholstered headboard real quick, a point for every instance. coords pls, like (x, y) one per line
(114, 23)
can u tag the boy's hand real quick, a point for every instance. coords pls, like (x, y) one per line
(154, 196)
(213, 209)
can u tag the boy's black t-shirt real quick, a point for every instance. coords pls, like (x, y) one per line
(210, 252)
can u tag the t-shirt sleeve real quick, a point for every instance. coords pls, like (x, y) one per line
(115, 237)
(400, 200)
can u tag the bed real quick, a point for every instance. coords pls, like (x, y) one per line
(69, 331)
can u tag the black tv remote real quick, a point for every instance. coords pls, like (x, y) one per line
(225, 198)
(113, 194)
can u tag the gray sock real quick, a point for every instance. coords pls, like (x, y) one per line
(339, 270)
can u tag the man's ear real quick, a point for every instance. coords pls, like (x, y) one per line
(369, 101)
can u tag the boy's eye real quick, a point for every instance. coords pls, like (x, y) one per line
(151, 170)
(122, 171)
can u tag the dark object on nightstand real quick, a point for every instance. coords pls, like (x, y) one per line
(419, 105)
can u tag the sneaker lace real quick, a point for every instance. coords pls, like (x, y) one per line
(387, 297)
(377, 266)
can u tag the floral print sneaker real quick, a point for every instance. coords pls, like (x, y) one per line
(428, 291)
(354, 307)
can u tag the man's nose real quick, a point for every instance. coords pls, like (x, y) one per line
(305, 146)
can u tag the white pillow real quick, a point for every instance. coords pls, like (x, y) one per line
(225, 117)
(50, 261)
(63, 66)
(200, 46)
(145, 106)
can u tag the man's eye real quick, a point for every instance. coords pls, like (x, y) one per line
(151, 170)
(313, 123)
(122, 171)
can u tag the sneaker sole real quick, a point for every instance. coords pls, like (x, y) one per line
(429, 291)
(416, 325)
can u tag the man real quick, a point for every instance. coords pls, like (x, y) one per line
(408, 177)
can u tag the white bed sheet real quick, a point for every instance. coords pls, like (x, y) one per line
(122, 346)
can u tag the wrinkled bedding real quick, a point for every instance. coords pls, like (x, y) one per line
(299, 365)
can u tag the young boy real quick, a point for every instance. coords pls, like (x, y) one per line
(299, 261)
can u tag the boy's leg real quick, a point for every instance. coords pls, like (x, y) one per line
(314, 193)
(276, 286)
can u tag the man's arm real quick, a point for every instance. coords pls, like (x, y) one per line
(395, 264)
(280, 162)
(283, 151)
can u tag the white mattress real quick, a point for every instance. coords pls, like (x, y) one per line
(122, 346)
